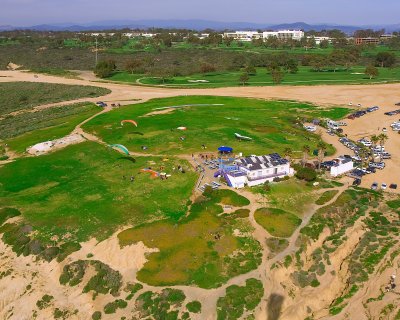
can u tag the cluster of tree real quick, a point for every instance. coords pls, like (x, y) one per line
(337, 59)
(368, 33)
(105, 68)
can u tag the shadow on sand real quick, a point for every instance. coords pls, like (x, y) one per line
(274, 306)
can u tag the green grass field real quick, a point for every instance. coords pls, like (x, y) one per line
(15, 96)
(277, 222)
(293, 195)
(326, 197)
(305, 76)
(191, 252)
(81, 190)
(271, 124)
(27, 129)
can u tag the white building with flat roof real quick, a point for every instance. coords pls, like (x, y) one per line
(318, 40)
(284, 34)
(243, 35)
(256, 170)
(251, 35)
(341, 166)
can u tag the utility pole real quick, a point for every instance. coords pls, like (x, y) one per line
(96, 52)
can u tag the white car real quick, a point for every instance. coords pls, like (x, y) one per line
(384, 130)
(383, 186)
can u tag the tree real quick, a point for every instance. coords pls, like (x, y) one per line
(105, 68)
(324, 44)
(385, 59)
(207, 67)
(291, 66)
(371, 72)
(374, 140)
(307, 174)
(132, 65)
(251, 70)
(382, 139)
(321, 153)
(244, 78)
(288, 153)
(306, 151)
(363, 154)
(277, 76)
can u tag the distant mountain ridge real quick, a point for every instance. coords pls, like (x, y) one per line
(194, 25)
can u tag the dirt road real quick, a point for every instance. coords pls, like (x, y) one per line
(385, 95)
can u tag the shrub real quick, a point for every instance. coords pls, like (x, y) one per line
(307, 174)
(96, 315)
(194, 306)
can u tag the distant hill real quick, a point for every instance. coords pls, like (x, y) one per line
(194, 25)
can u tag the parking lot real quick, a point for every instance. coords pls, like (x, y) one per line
(373, 123)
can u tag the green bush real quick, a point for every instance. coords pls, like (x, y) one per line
(194, 306)
(307, 174)
(96, 315)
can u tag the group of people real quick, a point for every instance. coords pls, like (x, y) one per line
(392, 285)
(132, 178)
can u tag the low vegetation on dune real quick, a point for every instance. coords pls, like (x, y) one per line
(212, 121)
(104, 280)
(16, 96)
(240, 300)
(26, 129)
(326, 197)
(355, 209)
(200, 249)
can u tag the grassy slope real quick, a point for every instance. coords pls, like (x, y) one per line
(269, 123)
(16, 96)
(48, 124)
(305, 76)
(80, 190)
(277, 222)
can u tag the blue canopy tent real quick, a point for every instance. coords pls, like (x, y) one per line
(224, 149)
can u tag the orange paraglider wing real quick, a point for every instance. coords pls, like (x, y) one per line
(129, 121)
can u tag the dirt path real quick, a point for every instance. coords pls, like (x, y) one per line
(385, 95)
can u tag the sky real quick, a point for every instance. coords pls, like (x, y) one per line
(348, 12)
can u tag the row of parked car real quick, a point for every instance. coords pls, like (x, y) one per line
(375, 186)
(393, 113)
(361, 113)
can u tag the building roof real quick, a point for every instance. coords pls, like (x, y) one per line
(262, 162)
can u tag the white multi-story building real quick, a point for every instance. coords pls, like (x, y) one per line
(256, 170)
(243, 35)
(251, 35)
(284, 34)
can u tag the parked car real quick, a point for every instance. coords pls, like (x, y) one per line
(357, 182)
(384, 130)
(393, 186)
(371, 169)
(374, 186)
(378, 165)
(383, 186)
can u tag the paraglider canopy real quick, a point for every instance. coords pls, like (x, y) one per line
(224, 149)
(121, 147)
(129, 121)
